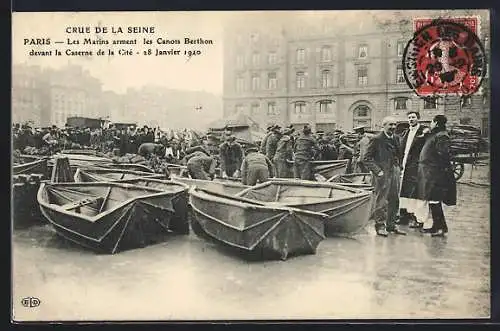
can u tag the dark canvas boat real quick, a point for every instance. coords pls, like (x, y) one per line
(354, 180)
(111, 217)
(80, 161)
(254, 229)
(348, 209)
(180, 224)
(328, 169)
(92, 152)
(84, 175)
(37, 166)
(228, 187)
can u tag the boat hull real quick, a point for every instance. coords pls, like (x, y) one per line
(354, 180)
(255, 231)
(88, 175)
(348, 209)
(39, 166)
(327, 169)
(180, 220)
(228, 187)
(143, 219)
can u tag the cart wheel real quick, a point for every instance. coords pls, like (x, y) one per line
(458, 170)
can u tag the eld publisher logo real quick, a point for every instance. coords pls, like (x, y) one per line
(30, 302)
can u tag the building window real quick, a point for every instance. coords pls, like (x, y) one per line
(238, 109)
(401, 103)
(326, 54)
(430, 103)
(326, 106)
(485, 127)
(362, 116)
(400, 48)
(465, 101)
(301, 80)
(300, 107)
(301, 56)
(465, 121)
(272, 81)
(363, 51)
(255, 109)
(362, 76)
(361, 111)
(254, 37)
(272, 58)
(240, 84)
(255, 59)
(326, 79)
(255, 82)
(272, 109)
(400, 78)
(239, 61)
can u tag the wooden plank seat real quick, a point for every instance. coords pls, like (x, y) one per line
(81, 203)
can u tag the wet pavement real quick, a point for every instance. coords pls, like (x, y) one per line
(413, 276)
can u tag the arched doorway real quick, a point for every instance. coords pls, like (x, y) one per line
(362, 115)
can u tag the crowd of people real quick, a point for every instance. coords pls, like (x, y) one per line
(412, 173)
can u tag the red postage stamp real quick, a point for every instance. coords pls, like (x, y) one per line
(445, 57)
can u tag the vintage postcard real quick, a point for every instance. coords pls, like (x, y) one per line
(266, 165)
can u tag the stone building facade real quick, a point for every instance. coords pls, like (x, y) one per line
(312, 70)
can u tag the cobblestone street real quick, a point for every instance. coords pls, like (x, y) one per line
(413, 276)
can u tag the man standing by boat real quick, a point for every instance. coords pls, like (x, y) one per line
(382, 159)
(284, 152)
(411, 210)
(256, 167)
(231, 156)
(272, 142)
(306, 147)
(263, 144)
(200, 164)
(360, 149)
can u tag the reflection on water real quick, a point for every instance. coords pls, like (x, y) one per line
(187, 278)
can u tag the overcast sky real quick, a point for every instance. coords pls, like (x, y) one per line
(119, 72)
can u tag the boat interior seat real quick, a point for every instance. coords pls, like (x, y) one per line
(83, 202)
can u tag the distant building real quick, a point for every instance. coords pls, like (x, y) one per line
(27, 94)
(314, 70)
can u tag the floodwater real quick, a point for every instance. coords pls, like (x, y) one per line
(186, 278)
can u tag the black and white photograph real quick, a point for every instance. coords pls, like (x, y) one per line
(250, 165)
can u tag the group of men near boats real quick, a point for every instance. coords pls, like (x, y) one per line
(412, 172)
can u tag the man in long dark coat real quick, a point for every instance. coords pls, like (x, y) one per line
(306, 147)
(263, 144)
(272, 142)
(284, 152)
(411, 210)
(231, 156)
(382, 159)
(436, 182)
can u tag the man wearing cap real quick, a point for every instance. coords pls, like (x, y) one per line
(149, 149)
(272, 142)
(263, 144)
(200, 164)
(284, 152)
(306, 147)
(383, 160)
(256, 167)
(231, 156)
(360, 149)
